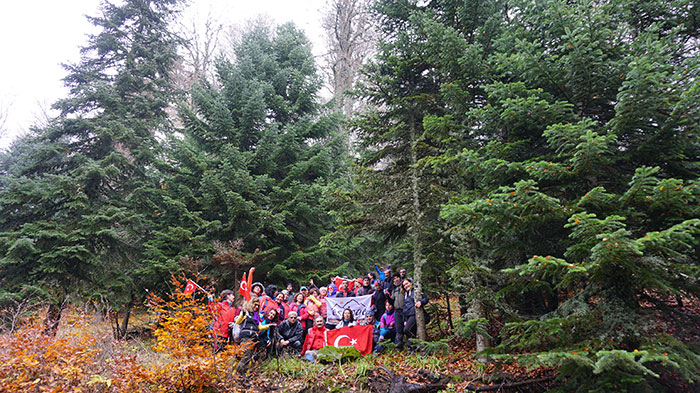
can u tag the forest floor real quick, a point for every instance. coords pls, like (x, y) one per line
(450, 367)
(95, 361)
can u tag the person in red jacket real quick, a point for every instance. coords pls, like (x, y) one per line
(299, 305)
(224, 313)
(315, 340)
(282, 307)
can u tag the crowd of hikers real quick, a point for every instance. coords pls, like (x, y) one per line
(274, 322)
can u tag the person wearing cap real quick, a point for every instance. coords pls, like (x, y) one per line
(305, 291)
(257, 289)
(367, 319)
(332, 289)
(267, 301)
(357, 285)
(289, 334)
(366, 288)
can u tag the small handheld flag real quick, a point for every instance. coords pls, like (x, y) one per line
(190, 287)
(243, 289)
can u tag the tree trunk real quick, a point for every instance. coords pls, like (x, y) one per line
(418, 260)
(121, 328)
(449, 306)
(463, 305)
(125, 321)
(476, 310)
(53, 317)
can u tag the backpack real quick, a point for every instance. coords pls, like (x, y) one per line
(235, 332)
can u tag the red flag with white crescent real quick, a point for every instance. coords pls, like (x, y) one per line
(339, 280)
(243, 289)
(359, 337)
(190, 287)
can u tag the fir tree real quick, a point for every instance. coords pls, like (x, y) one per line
(582, 152)
(75, 200)
(258, 157)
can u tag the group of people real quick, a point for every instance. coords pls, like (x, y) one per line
(285, 321)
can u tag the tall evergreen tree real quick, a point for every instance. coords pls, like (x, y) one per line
(75, 197)
(583, 172)
(429, 65)
(258, 156)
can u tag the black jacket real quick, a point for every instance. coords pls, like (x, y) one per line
(287, 331)
(379, 299)
(409, 305)
(249, 328)
(365, 290)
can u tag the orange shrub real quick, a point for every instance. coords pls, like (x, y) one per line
(83, 357)
(30, 361)
(183, 335)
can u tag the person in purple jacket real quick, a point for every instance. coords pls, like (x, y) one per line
(387, 325)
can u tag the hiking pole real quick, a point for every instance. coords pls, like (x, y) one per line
(277, 355)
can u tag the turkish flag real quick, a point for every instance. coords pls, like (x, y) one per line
(190, 287)
(243, 289)
(339, 280)
(359, 337)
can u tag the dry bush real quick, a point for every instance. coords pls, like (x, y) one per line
(83, 356)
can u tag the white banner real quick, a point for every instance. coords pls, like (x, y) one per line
(359, 305)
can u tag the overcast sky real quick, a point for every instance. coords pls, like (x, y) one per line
(39, 35)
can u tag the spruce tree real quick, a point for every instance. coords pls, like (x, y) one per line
(75, 200)
(258, 156)
(583, 173)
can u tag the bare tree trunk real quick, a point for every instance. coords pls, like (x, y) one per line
(477, 310)
(120, 327)
(418, 260)
(125, 322)
(200, 43)
(350, 40)
(449, 306)
(4, 112)
(53, 317)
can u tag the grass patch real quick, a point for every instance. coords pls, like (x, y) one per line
(291, 367)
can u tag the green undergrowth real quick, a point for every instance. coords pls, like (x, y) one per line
(351, 375)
